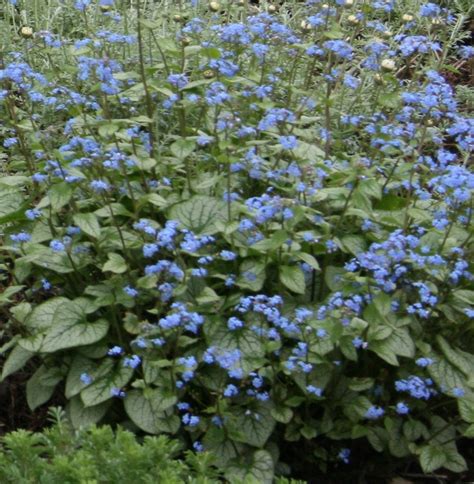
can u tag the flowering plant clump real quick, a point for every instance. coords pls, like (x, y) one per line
(247, 226)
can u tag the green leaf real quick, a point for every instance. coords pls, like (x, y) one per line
(14, 180)
(469, 432)
(399, 343)
(8, 293)
(182, 148)
(256, 426)
(274, 242)
(155, 200)
(79, 365)
(309, 259)
(81, 416)
(446, 375)
(41, 317)
(200, 213)
(10, 200)
(466, 409)
(292, 277)
(413, 430)
(244, 339)
(371, 188)
(115, 264)
(432, 457)
(108, 376)
(354, 244)
(40, 387)
(455, 462)
(259, 469)
(347, 348)
(460, 359)
(16, 360)
(69, 330)
(148, 409)
(252, 275)
(222, 448)
(88, 223)
(308, 151)
(59, 195)
(383, 304)
(282, 414)
(47, 259)
(334, 277)
(378, 438)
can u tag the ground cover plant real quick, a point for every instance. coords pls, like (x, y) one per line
(243, 224)
(59, 455)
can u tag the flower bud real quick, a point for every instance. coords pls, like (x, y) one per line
(305, 25)
(348, 3)
(272, 9)
(214, 6)
(26, 32)
(388, 65)
(437, 23)
(209, 74)
(353, 20)
(378, 79)
(407, 17)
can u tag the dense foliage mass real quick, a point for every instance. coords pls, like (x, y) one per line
(247, 227)
(98, 455)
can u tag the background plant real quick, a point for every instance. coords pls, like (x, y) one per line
(250, 228)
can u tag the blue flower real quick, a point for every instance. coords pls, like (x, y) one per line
(178, 80)
(424, 362)
(231, 391)
(288, 142)
(86, 378)
(374, 412)
(234, 323)
(458, 392)
(417, 387)
(21, 237)
(190, 420)
(130, 291)
(228, 255)
(117, 392)
(339, 47)
(344, 455)
(132, 362)
(314, 390)
(33, 214)
(115, 351)
(402, 408)
(57, 246)
(99, 186)
(9, 142)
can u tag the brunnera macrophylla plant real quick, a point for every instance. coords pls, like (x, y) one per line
(249, 227)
